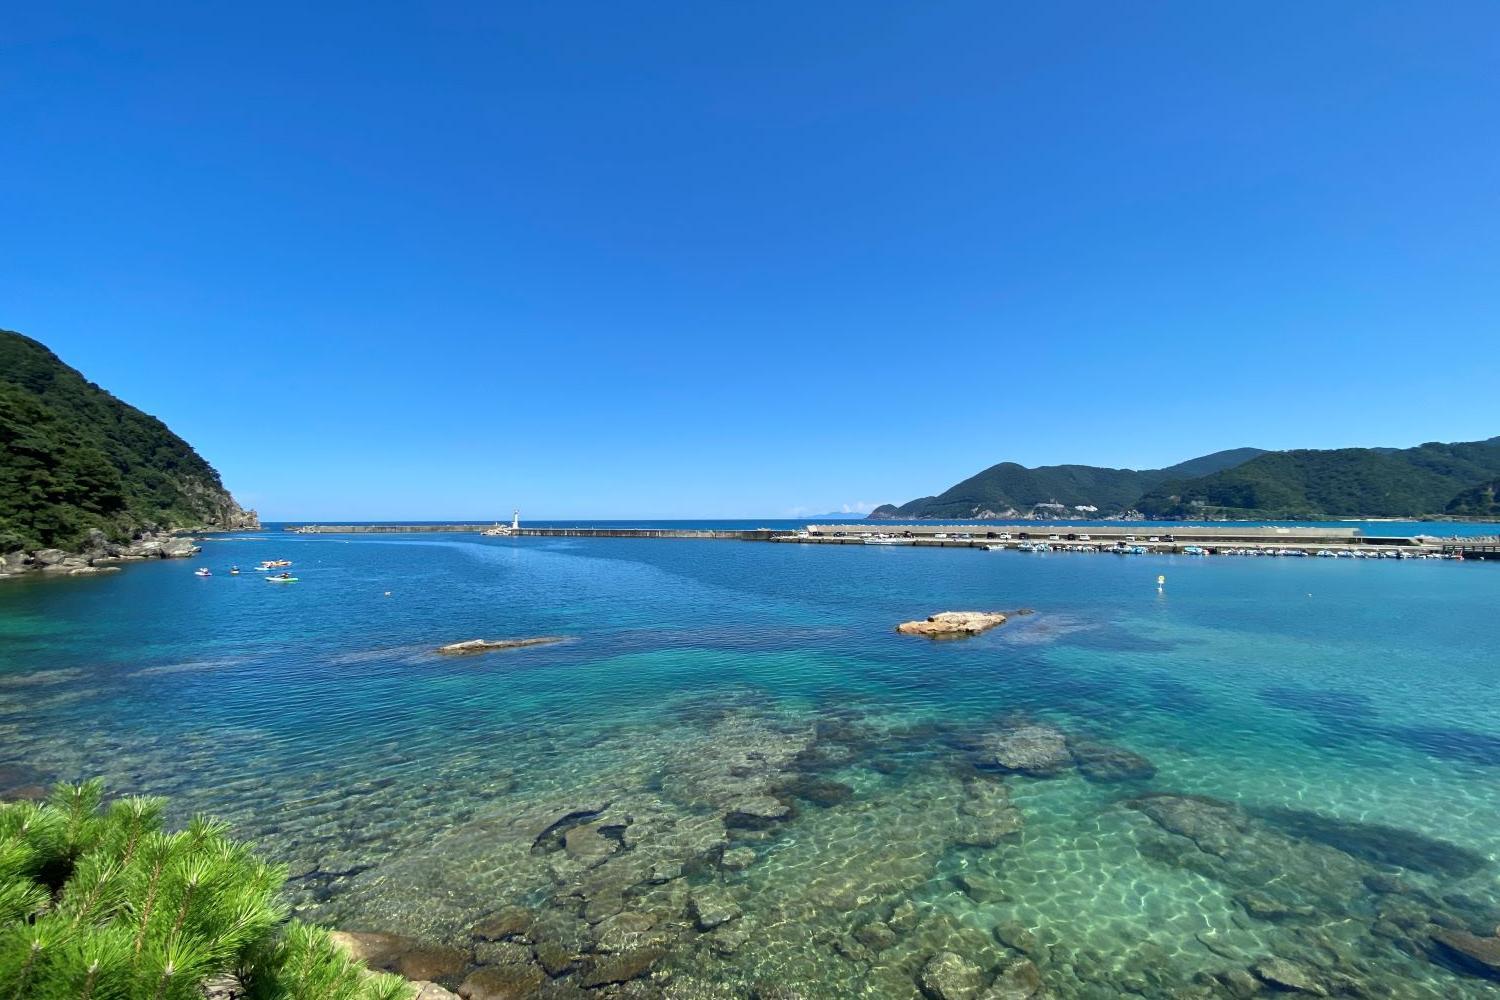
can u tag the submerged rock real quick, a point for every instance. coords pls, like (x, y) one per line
(1036, 750)
(756, 811)
(622, 967)
(1101, 762)
(711, 908)
(470, 646)
(1285, 975)
(503, 982)
(950, 976)
(511, 922)
(1481, 954)
(1019, 980)
(953, 624)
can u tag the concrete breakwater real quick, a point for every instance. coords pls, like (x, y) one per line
(1150, 537)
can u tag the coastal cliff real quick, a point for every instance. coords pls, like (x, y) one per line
(87, 480)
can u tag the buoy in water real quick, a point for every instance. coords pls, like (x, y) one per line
(1161, 581)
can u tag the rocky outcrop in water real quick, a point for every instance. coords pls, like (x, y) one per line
(471, 646)
(99, 555)
(953, 624)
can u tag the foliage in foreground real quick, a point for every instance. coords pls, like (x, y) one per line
(101, 903)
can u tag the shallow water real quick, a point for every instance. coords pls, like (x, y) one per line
(1323, 740)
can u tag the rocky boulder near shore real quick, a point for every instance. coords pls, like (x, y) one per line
(953, 624)
(97, 555)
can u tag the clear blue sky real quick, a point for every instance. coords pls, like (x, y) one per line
(407, 260)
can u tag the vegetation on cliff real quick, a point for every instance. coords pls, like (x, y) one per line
(1480, 501)
(100, 903)
(75, 458)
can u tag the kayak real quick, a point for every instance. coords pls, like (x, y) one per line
(281, 579)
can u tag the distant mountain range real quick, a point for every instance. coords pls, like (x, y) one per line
(1457, 480)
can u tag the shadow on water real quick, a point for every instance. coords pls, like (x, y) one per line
(1450, 744)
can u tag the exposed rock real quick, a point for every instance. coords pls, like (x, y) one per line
(953, 624)
(1482, 954)
(949, 976)
(711, 908)
(1036, 750)
(432, 991)
(470, 646)
(1285, 975)
(502, 982)
(1103, 763)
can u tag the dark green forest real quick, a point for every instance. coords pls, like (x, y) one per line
(1429, 480)
(75, 458)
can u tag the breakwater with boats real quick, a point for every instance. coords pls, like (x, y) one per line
(1121, 538)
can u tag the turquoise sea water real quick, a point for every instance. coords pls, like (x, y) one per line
(1266, 761)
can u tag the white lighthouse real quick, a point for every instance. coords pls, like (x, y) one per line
(515, 520)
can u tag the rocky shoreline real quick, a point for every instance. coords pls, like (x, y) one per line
(100, 555)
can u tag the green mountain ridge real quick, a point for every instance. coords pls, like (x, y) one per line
(1435, 479)
(1428, 480)
(75, 460)
(1008, 489)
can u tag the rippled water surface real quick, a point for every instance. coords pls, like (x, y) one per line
(734, 779)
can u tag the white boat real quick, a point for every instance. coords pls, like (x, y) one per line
(881, 540)
(202, 571)
(994, 548)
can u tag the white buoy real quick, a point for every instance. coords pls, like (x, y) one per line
(1161, 581)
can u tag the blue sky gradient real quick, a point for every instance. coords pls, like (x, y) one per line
(394, 260)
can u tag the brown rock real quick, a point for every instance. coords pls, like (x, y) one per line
(471, 646)
(431, 962)
(621, 968)
(503, 982)
(1479, 953)
(513, 921)
(1284, 975)
(953, 624)
(432, 991)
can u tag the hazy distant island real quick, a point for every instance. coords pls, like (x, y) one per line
(86, 479)
(1428, 481)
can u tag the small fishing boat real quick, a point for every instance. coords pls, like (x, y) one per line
(234, 571)
(282, 578)
(994, 548)
(202, 571)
